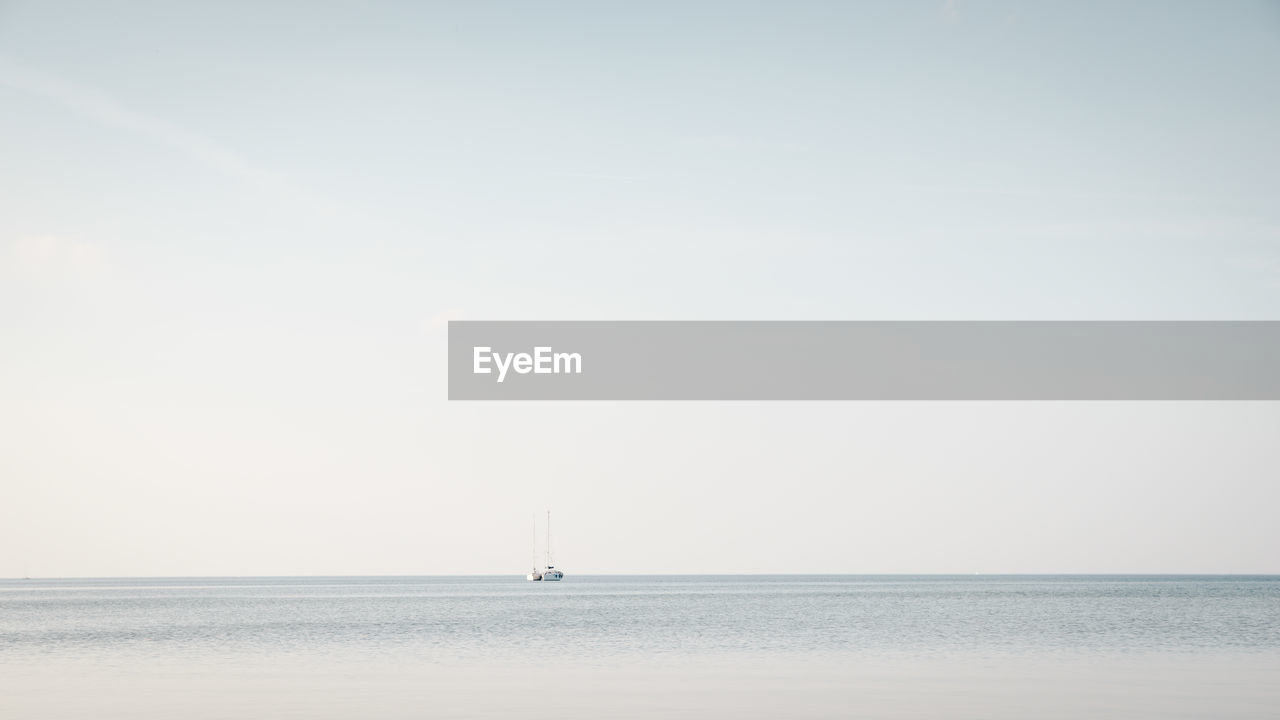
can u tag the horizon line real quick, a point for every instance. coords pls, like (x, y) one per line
(681, 574)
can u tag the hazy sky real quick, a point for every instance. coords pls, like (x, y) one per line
(230, 236)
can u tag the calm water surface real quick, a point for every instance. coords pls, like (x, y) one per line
(704, 646)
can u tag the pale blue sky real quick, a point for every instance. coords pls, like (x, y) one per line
(229, 235)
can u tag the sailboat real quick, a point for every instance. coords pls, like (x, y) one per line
(534, 574)
(549, 572)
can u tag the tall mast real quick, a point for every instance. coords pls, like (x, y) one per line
(548, 538)
(535, 542)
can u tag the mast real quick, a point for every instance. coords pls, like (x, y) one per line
(548, 538)
(535, 542)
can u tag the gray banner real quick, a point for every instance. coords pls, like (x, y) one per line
(500, 360)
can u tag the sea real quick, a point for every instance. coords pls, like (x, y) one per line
(711, 646)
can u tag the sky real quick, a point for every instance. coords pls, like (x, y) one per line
(232, 235)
